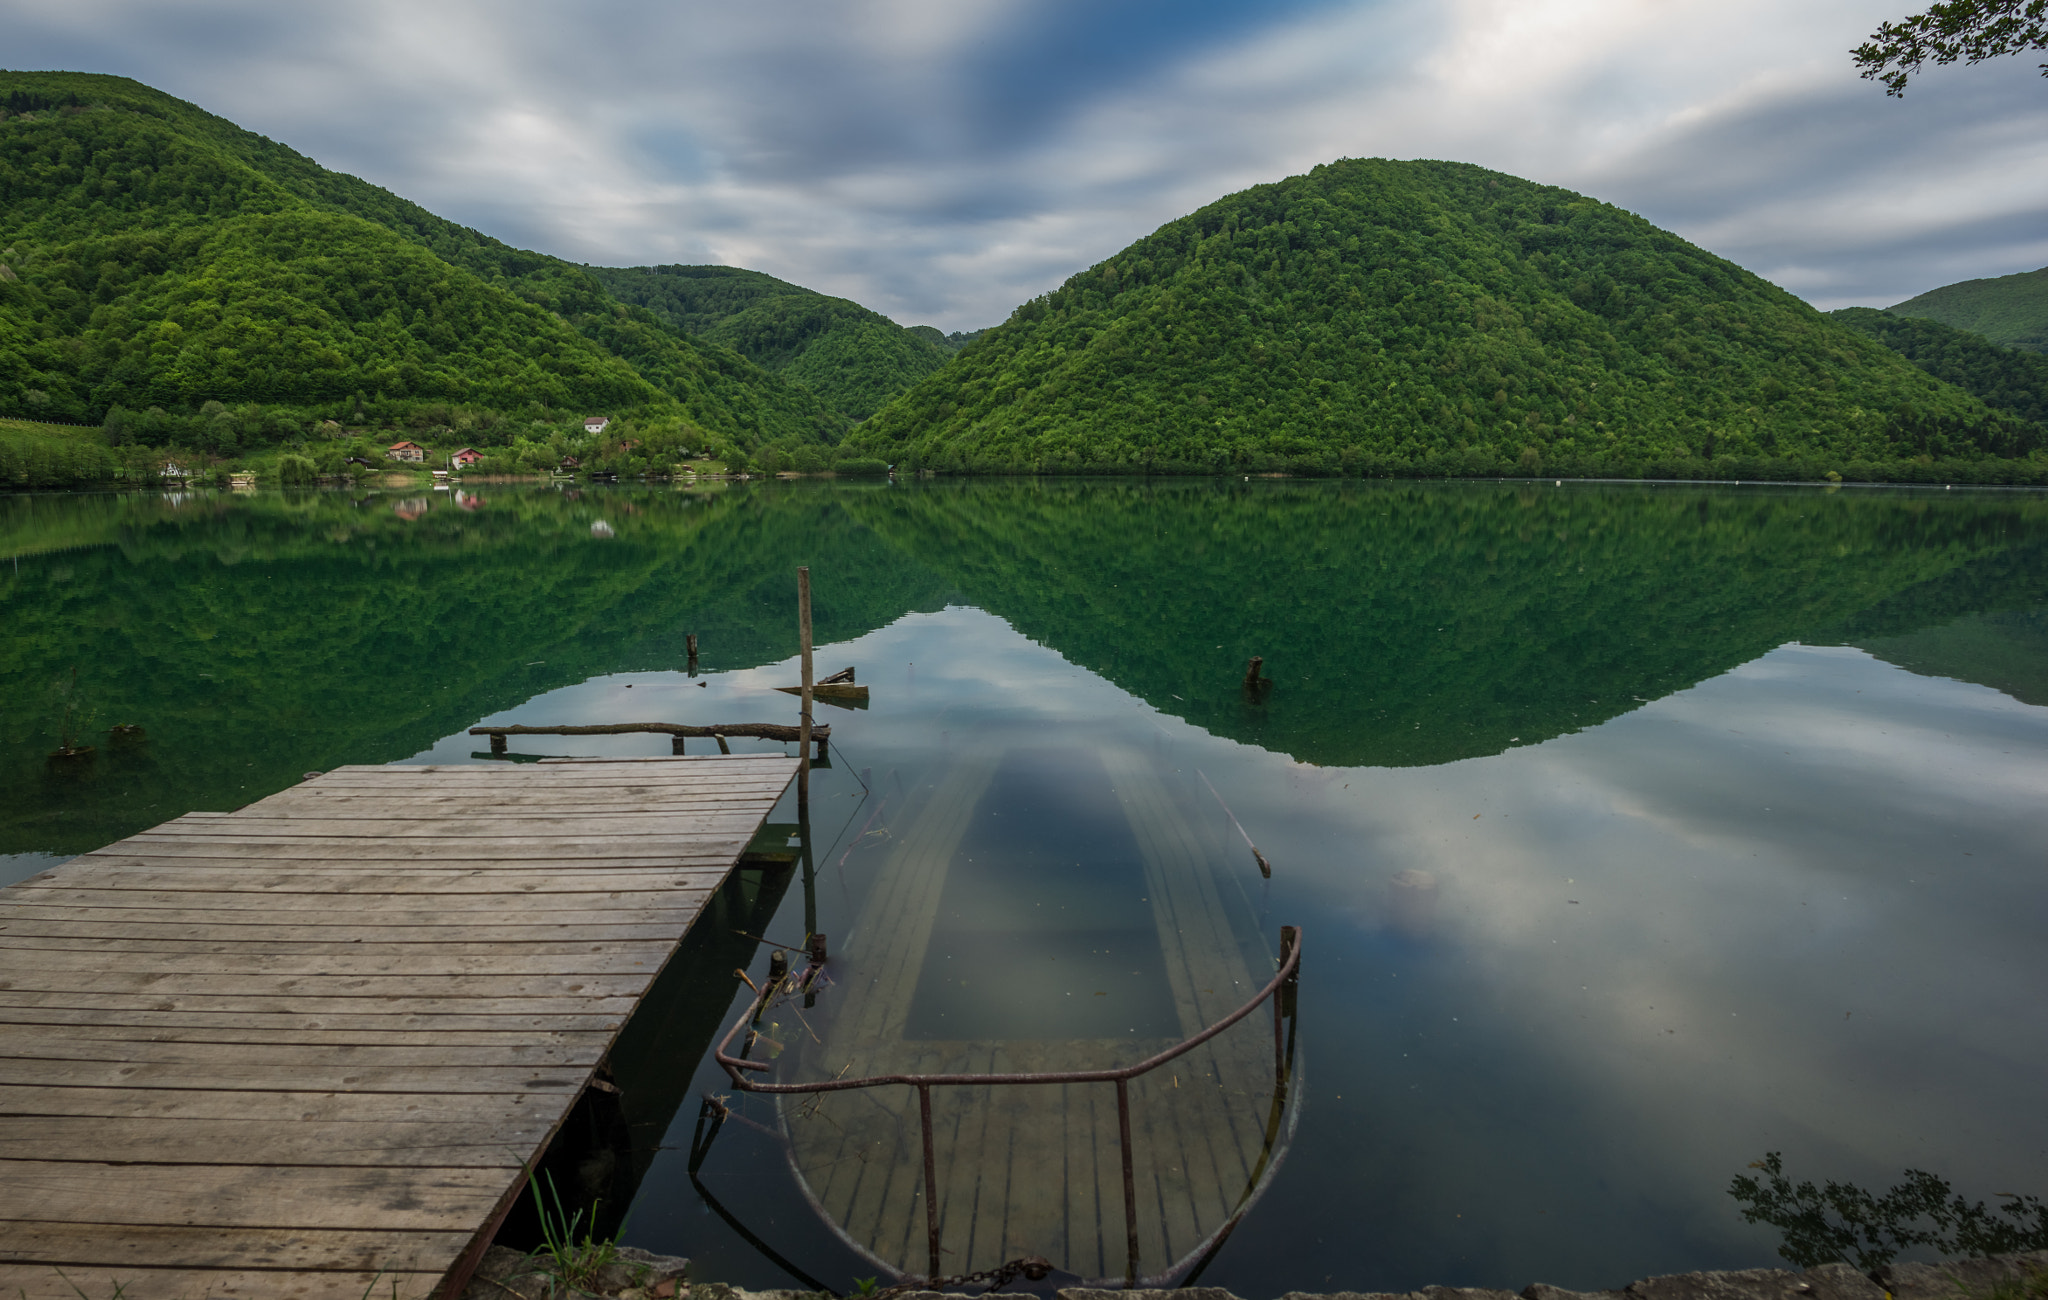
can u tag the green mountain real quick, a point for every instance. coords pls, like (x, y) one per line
(854, 358)
(2008, 309)
(2005, 378)
(1429, 317)
(154, 255)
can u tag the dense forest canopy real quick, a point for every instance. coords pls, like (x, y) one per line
(158, 256)
(1377, 316)
(694, 298)
(2007, 309)
(2005, 378)
(854, 358)
(197, 288)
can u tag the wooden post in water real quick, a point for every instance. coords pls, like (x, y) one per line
(803, 627)
(690, 644)
(1251, 672)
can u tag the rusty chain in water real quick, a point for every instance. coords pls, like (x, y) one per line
(1032, 1267)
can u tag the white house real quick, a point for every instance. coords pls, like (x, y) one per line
(595, 423)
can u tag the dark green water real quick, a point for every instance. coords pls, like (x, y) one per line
(1721, 808)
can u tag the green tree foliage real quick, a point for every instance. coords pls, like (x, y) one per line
(853, 358)
(1845, 1222)
(2009, 309)
(1424, 318)
(1969, 31)
(951, 342)
(154, 255)
(42, 456)
(693, 298)
(2005, 378)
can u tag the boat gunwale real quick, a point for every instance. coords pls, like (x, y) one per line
(1290, 965)
(1276, 1145)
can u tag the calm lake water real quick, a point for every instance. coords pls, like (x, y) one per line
(1633, 831)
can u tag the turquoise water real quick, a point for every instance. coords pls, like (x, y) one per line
(1633, 831)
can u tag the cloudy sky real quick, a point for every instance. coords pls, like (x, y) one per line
(942, 160)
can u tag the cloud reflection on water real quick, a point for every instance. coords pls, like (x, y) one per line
(1555, 998)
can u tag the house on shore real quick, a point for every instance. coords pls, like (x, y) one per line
(411, 451)
(467, 456)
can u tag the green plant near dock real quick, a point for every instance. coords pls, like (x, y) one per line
(1842, 1221)
(2034, 1286)
(576, 1263)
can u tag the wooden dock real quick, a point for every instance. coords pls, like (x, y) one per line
(307, 1049)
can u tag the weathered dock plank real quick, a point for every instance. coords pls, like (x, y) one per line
(306, 1049)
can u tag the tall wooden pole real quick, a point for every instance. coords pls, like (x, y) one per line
(803, 623)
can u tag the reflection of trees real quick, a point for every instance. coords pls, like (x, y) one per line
(1423, 623)
(1403, 623)
(259, 638)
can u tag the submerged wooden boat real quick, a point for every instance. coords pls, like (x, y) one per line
(954, 970)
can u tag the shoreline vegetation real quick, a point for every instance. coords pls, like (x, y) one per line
(42, 456)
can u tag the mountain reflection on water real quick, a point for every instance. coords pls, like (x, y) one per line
(257, 637)
(1634, 831)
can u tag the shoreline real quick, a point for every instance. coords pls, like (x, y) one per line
(639, 1275)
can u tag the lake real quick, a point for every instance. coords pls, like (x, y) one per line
(1633, 831)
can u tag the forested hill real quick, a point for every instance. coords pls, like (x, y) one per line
(2009, 309)
(159, 256)
(1429, 317)
(2006, 378)
(854, 358)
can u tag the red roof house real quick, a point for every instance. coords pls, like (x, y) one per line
(405, 451)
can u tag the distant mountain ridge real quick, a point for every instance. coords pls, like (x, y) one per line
(1375, 316)
(2005, 378)
(854, 358)
(2011, 310)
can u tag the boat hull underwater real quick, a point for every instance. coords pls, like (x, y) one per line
(1043, 912)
